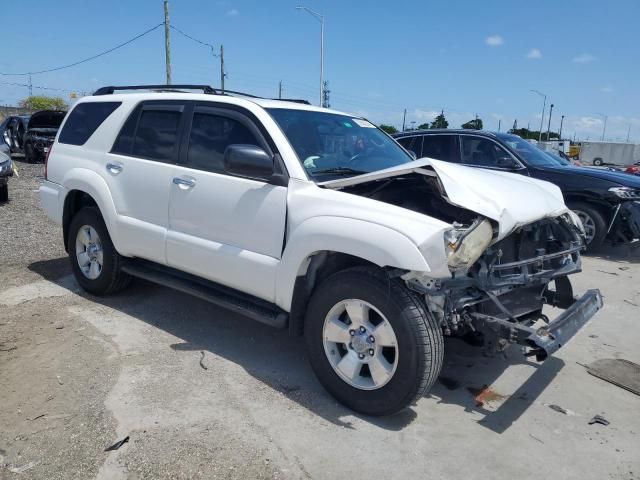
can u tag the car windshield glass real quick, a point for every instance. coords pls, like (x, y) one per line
(330, 144)
(558, 159)
(531, 154)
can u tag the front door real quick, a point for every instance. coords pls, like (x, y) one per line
(225, 228)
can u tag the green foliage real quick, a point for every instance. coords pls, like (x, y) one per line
(534, 134)
(43, 102)
(423, 126)
(475, 124)
(390, 129)
(440, 121)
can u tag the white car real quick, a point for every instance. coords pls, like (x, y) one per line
(316, 221)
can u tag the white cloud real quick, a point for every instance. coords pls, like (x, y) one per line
(584, 58)
(233, 12)
(607, 89)
(534, 53)
(494, 40)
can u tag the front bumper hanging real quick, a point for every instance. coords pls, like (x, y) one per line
(546, 340)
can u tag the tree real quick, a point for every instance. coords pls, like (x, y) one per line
(390, 129)
(423, 126)
(440, 121)
(43, 102)
(475, 124)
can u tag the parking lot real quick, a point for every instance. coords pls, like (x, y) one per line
(202, 393)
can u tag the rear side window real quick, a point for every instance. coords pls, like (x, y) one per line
(413, 144)
(151, 132)
(156, 135)
(440, 147)
(209, 138)
(84, 119)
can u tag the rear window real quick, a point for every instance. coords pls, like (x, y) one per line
(84, 120)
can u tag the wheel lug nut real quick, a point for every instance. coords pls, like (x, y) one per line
(371, 351)
(372, 339)
(362, 329)
(361, 356)
(352, 332)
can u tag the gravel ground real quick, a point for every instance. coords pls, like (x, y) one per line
(202, 393)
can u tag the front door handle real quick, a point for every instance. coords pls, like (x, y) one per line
(184, 183)
(114, 168)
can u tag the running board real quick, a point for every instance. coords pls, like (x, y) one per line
(225, 297)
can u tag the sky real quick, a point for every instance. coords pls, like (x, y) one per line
(466, 57)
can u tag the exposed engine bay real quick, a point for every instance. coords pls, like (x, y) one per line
(498, 287)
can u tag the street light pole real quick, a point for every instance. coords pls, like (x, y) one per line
(544, 105)
(604, 127)
(320, 18)
(549, 124)
(561, 122)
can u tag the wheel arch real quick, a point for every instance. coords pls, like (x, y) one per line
(86, 188)
(324, 245)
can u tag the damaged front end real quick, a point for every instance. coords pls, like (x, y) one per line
(497, 291)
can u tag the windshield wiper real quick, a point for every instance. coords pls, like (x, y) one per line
(338, 171)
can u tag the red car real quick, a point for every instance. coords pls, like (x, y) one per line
(633, 169)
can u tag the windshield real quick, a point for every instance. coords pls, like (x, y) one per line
(531, 154)
(338, 145)
(558, 159)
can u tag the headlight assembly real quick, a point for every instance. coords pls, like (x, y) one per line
(465, 246)
(6, 167)
(626, 192)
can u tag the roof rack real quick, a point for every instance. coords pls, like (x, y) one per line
(294, 100)
(166, 88)
(171, 88)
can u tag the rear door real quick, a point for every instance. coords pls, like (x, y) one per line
(225, 228)
(441, 147)
(139, 170)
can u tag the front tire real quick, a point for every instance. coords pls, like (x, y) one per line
(593, 222)
(371, 341)
(4, 193)
(95, 262)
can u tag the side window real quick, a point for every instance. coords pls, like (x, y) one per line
(210, 135)
(85, 119)
(157, 134)
(413, 144)
(482, 152)
(440, 147)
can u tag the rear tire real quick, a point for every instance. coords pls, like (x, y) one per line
(4, 193)
(95, 262)
(594, 224)
(598, 162)
(412, 363)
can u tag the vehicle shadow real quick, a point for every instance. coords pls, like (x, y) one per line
(279, 361)
(629, 253)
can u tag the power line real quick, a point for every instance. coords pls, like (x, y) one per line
(191, 38)
(38, 87)
(93, 57)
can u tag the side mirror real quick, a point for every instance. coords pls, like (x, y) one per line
(248, 161)
(507, 163)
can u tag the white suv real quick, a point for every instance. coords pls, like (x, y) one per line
(316, 221)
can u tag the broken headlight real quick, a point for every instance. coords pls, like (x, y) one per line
(464, 246)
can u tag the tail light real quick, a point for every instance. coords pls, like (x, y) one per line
(46, 161)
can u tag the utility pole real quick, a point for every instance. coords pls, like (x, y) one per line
(604, 127)
(222, 74)
(325, 94)
(561, 122)
(499, 123)
(167, 42)
(404, 118)
(549, 124)
(544, 106)
(280, 90)
(628, 133)
(320, 18)
(30, 86)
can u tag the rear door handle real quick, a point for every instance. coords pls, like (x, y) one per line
(114, 168)
(184, 183)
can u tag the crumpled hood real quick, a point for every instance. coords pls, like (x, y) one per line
(510, 199)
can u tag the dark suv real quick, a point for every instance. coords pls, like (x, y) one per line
(608, 203)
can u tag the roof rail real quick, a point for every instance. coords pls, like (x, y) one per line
(294, 100)
(167, 88)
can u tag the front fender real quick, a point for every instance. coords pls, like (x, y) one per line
(94, 185)
(375, 243)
